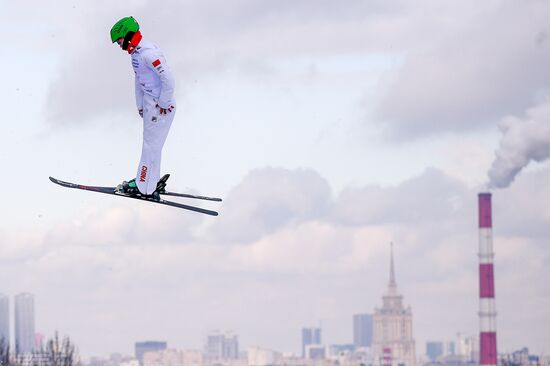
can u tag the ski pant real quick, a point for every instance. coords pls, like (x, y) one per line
(155, 130)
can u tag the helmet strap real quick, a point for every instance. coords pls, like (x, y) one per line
(133, 41)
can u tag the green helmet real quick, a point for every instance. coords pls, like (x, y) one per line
(122, 27)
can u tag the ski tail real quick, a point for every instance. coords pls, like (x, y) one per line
(194, 196)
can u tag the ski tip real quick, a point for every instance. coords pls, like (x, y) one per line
(58, 181)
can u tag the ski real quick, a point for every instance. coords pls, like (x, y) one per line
(186, 195)
(112, 191)
(162, 184)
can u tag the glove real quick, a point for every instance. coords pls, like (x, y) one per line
(140, 111)
(165, 110)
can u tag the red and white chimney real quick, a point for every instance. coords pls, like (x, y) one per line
(487, 308)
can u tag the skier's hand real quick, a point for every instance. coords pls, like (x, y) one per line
(165, 110)
(140, 111)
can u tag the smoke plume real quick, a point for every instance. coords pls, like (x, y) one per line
(523, 140)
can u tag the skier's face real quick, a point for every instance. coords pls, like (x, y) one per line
(120, 41)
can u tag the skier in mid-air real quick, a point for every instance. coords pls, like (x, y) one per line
(154, 84)
(156, 105)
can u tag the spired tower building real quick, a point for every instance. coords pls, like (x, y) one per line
(393, 342)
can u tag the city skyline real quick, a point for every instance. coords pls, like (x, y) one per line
(218, 345)
(390, 343)
(437, 352)
(329, 129)
(223, 345)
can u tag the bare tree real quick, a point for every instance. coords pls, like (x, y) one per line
(57, 352)
(61, 353)
(4, 352)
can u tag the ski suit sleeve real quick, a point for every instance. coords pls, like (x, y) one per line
(139, 94)
(157, 63)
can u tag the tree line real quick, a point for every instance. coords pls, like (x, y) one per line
(56, 352)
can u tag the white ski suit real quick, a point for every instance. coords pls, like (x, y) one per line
(154, 88)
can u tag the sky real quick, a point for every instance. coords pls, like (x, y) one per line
(331, 129)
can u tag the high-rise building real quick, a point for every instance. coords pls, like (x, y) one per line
(4, 321)
(24, 323)
(450, 348)
(310, 336)
(362, 330)
(148, 346)
(434, 350)
(393, 340)
(222, 345)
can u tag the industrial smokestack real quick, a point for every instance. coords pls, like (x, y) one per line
(487, 309)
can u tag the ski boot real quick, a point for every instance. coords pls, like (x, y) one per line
(161, 185)
(128, 187)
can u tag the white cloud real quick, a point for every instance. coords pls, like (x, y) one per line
(126, 225)
(209, 38)
(466, 159)
(480, 71)
(420, 199)
(310, 248)
(269, 199)
(317, 263)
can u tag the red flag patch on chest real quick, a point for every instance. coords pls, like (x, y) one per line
(156, 62)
